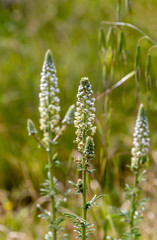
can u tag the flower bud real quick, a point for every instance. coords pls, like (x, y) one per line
(68, 119)
(31, 128)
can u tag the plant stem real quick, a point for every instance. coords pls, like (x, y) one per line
(58, 135)
(52, 187)
(84, 213)
(84, 204)
(133, 203)
(38, 140)
(119, 83)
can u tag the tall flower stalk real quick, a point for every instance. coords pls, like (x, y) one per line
(139, 157)
(48, 100)
(84, 119)
(85, 129)
(134, 215)
(52, 127)
(49, 119)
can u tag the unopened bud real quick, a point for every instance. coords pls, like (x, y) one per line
(31, 128)
(68, 119)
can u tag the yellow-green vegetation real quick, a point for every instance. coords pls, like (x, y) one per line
(79, 42)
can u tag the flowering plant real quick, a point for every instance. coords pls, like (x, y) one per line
(133, 215)
(84, 123)
(52, 127)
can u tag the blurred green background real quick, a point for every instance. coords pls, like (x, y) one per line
(70, 29)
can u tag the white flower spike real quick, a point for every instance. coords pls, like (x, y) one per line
(84, 115)
(141, 138)
(48, 100)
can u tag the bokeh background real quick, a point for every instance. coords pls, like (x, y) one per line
(70, 29)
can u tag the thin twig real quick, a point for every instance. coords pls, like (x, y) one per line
(54, 139)
(58, 135)
(119, 83)
(131, 26)
(38, 140)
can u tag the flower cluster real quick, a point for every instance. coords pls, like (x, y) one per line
(84, 115)
(48, 100)
(141, 138)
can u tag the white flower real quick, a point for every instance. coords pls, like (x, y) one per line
(141, 139)
(48, 101)
(84, 116)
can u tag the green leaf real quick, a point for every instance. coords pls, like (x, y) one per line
(90, 171)
(92, 202)
(74, 184)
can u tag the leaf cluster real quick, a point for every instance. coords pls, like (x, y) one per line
(79, 223)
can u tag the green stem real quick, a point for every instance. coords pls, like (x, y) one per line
(84, 204)
(133, 203)
(52, 187)
(84, 213)
(51, 169)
